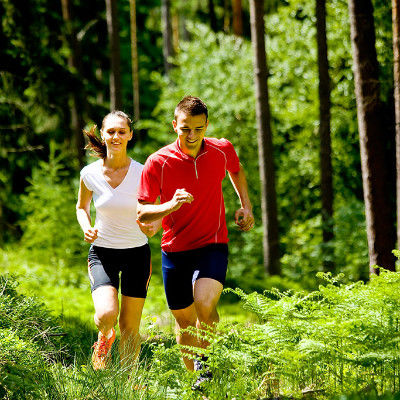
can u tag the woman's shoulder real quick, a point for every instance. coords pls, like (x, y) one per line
(136, 166)
(92, 168)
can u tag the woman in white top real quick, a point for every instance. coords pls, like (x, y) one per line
(119, 244)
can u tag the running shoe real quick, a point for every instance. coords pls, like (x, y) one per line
(205, 375)
(101, 352)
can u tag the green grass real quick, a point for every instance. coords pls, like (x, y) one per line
(342, 338)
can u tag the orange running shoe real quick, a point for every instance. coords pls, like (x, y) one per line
(101, 352)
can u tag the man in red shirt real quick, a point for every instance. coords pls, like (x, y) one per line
(187, 177)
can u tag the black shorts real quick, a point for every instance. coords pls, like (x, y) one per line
(104, 266)
(180, 270)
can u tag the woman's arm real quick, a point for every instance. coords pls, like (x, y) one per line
(83, 212)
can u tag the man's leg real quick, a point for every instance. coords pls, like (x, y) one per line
(129, 322)
(207, 292)
(184, 318)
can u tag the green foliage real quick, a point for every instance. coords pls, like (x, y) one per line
(28, 341)
(50, 226)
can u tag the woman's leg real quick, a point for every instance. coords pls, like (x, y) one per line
(129, 322)
(105, 299)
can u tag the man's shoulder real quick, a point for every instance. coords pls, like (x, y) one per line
(162, 154)
(220, 144)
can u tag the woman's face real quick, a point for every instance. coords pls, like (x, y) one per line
(116, 133)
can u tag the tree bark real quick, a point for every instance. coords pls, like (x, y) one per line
(213, 17)
(76, 97)
(135, 63)
(115, 58)
(265, 146)
(237, 17)
(396, 75)
(325, 134)
(227, 17)
(378, 210)
(168, 49)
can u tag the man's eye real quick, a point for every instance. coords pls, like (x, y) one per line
(199, 129)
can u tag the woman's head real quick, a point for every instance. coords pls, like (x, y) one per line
(115, 132)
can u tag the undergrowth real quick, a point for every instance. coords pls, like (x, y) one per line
(342, 338)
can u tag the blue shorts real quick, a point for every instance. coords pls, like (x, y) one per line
(181, 269)
(105, 266)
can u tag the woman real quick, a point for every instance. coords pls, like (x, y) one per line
(119, 244)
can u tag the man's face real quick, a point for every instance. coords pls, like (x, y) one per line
(190, 130)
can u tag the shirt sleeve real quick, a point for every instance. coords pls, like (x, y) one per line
(232, 159)
(86, 179)
(149, 187)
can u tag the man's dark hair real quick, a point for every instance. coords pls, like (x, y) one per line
(191, 105)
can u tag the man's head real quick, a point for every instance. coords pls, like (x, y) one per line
(190, 105)
(190, 123)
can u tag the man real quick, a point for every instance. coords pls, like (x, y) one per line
(187, 176)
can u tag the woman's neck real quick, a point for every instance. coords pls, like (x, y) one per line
(116, 161)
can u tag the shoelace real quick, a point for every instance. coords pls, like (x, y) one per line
(102, 349)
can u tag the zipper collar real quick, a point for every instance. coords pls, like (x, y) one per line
(186, 156)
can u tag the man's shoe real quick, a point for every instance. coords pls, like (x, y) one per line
(205, 375)
(101, 352)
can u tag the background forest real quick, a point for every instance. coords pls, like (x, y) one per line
(65, 64)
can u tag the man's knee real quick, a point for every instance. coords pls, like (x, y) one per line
(184, 321)
(207, 312)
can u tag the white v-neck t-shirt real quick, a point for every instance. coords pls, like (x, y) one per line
(115, 207)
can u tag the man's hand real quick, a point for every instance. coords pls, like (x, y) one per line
(181, 196)
(90, 235)
(244, 219)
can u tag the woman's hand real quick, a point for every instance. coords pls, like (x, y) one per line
(90, 235)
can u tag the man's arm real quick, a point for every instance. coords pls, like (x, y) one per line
(243, 216)
(149, 212)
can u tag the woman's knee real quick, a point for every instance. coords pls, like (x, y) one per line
(107, 316)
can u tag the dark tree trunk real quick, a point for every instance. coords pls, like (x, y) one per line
(378, 210)
(135, 64)
(265, 147)
(76, 97)
(396, 75)
(325, 134)
(115, 58)
(168, 49)
(237, 17)
(213, 17)
(227, 17)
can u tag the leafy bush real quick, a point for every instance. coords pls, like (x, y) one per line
(28, 341)
(50, 227)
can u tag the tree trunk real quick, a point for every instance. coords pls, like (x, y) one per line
(396, 75)
(237, 18)
(227, 17)
(115, 67)
(213, 17)
(135, 64)
(76, 96)
(325, 134)
(380, 226)
(168, 50)
(265, 147)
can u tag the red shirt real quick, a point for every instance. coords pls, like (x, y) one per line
(202, 222)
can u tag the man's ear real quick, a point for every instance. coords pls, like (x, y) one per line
(174, 125)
